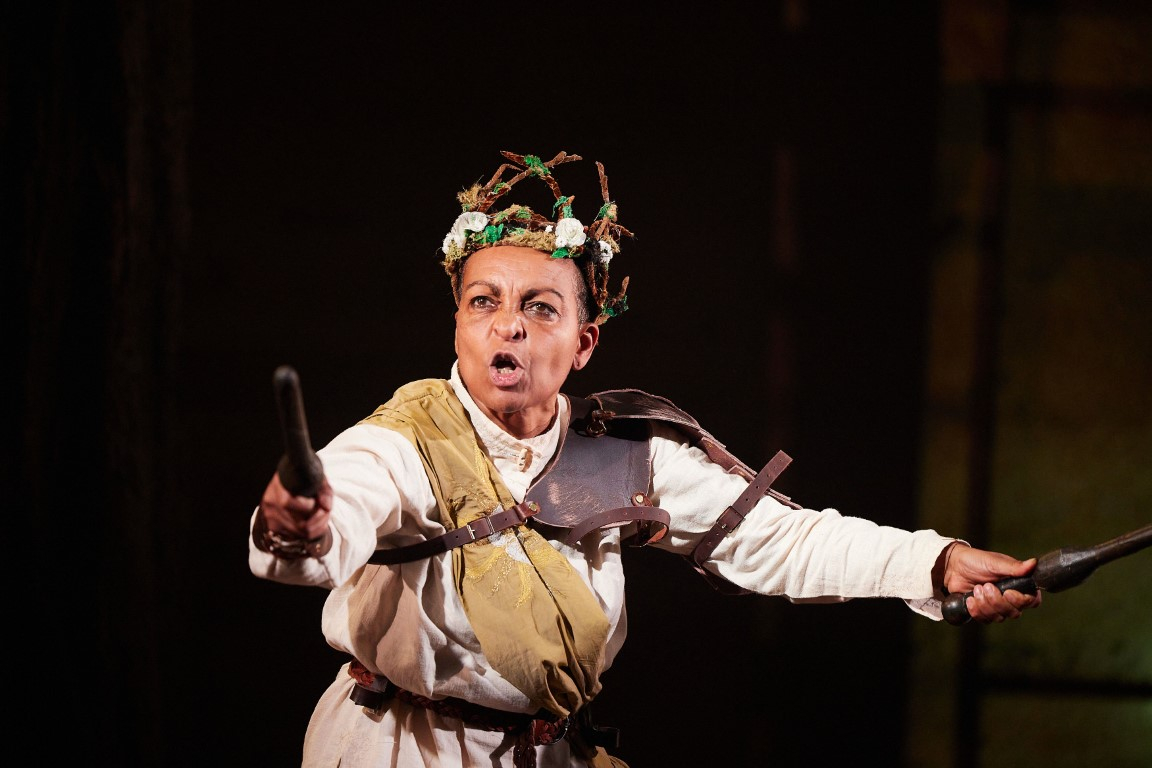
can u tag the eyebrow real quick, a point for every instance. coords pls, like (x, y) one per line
(530, 293)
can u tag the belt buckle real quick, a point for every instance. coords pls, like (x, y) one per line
(472, 530)
(726, 521)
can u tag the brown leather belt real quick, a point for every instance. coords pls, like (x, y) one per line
(374, 691)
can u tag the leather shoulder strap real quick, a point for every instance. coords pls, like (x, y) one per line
(635, 403)
(598, 478)
(731, 518)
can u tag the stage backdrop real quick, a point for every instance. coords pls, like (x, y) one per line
(904, 242)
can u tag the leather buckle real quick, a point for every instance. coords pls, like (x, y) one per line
(723, 523)
(472, 529)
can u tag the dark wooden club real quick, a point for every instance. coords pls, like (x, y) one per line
(1057, 571)
(300, 470)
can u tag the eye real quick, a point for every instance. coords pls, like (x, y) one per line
(540, 309)
(481, 302)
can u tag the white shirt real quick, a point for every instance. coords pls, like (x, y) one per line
(417, 632)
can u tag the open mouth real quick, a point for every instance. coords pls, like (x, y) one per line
(505, 364)
(505, 370)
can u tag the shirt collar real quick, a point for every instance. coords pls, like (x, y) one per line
(533, 450)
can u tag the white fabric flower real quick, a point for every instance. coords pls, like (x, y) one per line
(469, 221)
(605, 252)
(569, 233)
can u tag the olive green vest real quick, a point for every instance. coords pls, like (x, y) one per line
(538, 623)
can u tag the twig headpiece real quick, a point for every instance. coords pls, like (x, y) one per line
(591, 247)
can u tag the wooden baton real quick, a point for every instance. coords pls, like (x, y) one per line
(300, 470)
(1057, 571)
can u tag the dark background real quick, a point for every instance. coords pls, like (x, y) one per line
(198, 193)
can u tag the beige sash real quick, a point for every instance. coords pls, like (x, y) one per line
(539, 624)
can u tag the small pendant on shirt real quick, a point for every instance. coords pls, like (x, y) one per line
(524, 459)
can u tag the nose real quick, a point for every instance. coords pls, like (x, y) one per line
(509, 324)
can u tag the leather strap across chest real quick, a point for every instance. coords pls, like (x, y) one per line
(480, 528)
(590, 484)
(593, 483)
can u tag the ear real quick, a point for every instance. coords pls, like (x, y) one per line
(456, 331)
(587, 341)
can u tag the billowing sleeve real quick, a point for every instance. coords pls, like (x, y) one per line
(802, 554)
(375, 475)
